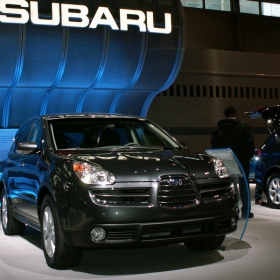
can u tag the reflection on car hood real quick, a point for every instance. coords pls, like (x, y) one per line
(149, 164)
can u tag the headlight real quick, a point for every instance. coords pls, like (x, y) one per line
(93, 174)
(220, 168)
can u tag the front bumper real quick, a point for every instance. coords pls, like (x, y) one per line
(153, 233)
(139, 213)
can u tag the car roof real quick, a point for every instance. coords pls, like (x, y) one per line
(87, 115)
(269, 114)
(81, 115)
(84, 115)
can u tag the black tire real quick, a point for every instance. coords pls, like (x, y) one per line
(273, 191)
(57, 253)
(209, 244)
(10, 225)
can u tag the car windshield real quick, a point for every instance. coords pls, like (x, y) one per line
(107, 133)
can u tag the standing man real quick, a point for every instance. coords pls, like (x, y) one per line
(235, 134)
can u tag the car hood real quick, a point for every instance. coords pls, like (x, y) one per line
(269, 114)
(148, 164)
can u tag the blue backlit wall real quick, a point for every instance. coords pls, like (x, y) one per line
(54, 69)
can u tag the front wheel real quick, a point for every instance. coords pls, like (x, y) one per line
(208, 244)
(273, 191)
(57, 253)
(10, 225)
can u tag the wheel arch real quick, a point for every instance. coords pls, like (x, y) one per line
(1, 185)
(44, 191)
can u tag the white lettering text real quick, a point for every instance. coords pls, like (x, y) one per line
(72, 15)
(140, 21)
(153, 29)
(81, 15)
(22, 15)
(34, 14)
(108, 20)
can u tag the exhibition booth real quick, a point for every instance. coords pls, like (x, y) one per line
(88, 56)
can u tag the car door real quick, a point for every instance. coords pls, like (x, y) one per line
(24, 186)
(31, 172)
(12, 173)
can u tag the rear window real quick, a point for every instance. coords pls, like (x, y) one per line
(272, 144)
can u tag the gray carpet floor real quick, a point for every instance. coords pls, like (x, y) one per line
(256, 256)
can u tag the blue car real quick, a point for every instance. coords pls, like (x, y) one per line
(267, 169)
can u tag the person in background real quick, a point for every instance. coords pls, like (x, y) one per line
(235, 134)
(258, 196)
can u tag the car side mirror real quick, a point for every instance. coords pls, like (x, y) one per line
(27, 147)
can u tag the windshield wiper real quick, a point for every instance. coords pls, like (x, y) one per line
(148, 147)
(170, 148)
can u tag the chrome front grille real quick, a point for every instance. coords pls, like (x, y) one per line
(121, 196)
(214, 189)
(177, 192)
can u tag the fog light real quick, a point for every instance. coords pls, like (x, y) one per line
(233, 221)
(97, 234)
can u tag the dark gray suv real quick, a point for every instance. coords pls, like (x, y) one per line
(96, 181)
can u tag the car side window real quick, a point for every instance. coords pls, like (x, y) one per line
(36, 135)
(24, 133)
(31, 132)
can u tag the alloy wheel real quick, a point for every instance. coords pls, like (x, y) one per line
(4, 211)
(274, 191)
(49, 232)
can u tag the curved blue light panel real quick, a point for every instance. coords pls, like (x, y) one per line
(54, 69)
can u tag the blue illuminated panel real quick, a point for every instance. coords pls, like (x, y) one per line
(56, 69)
(6, 139)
